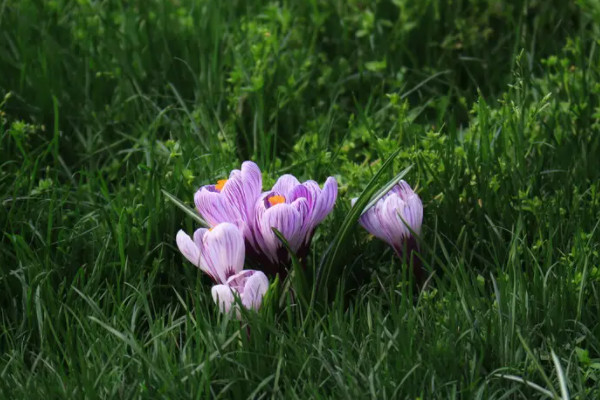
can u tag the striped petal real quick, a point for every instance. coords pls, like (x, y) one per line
(286, 219)
(223, 251)
(188, 248)
(393, 208)
(325, 201)
(214, 207)
(223, 297)
(198, 235)
(285, 184)
(255, 287)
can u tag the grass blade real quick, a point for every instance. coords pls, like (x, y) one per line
(532, 385)
(538, 366)
(381, 192)
(185, 208)
(562, 379)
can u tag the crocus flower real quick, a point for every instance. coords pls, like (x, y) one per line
(219, 252)
(294, 209)
(390, 218)
(232, 200)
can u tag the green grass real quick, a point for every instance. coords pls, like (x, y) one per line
(107, 103)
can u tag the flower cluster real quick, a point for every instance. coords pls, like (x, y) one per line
(293, 208)
(243, 218)
(238, 204)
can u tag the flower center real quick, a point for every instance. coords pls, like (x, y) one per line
(220, 184)
(277, 199)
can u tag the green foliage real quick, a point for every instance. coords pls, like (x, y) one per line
(111, 109)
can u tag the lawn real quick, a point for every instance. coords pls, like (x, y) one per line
(110, 110)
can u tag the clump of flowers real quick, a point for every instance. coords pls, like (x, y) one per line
(395, 219)
(242, 218)
(293, 208)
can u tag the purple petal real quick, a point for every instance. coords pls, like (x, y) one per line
(215, 208)
(285, 184)
(372, 222)
(198, 235)
(404, 190)
(304, 213)
(210, 188)
(413, 213)
(223, 251)
(236, 199)
(243, 188)
(393, 208)
(252, 178)
(325, 201)
(188, 248)
(389, 217)
(302, 191)
(286, 220)
(237, 281)
(223, 297)
(234, 192)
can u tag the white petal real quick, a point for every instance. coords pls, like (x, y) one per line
(188, 248)
(254, 289)
(223, 297)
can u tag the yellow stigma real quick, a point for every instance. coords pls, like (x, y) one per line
(220, 184)
(277, 199)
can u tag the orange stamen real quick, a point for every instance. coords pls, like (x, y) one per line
(277, 199)
(220, 184)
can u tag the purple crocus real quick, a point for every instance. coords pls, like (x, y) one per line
(294, 209)
(219, 252)
(391, 217)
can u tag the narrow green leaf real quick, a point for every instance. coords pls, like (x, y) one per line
(562, 379)
(381, 192)
(538, 366)
(296, 279)
(185, 208)
(532, 385)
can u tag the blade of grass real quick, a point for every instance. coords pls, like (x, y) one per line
(562, 379)
(381, 192)
(185, 208)
(538, 366)
(532, 385)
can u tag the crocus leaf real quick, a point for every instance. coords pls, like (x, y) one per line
(185, 208)
(297, 277)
